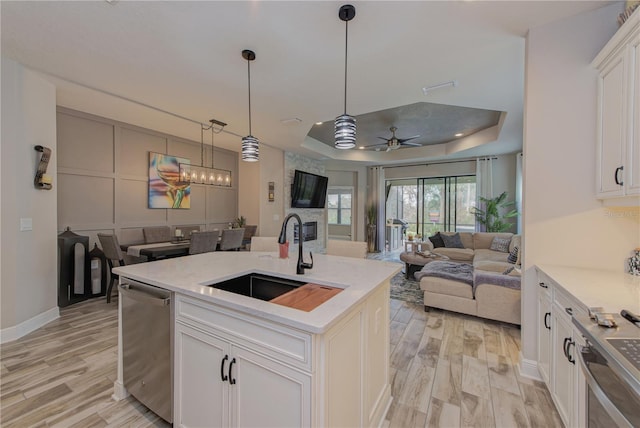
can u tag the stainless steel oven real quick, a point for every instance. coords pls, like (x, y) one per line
(611, 366)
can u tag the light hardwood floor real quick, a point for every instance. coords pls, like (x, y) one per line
(447, 370)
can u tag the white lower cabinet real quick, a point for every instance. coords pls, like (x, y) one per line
(562, 380)
(219, 384)
(235, 370)
(558, 345)
(544, 332)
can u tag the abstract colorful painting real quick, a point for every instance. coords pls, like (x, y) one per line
(166, 188)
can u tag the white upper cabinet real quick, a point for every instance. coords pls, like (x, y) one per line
(618, 139)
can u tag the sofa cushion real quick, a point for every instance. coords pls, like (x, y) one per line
(456, 254)
(516, 241)
(483, 240)
(491, 266)
(436, 240)
(500, 244)
(452, 241)
(490, 255)
(513, 255)
(446, 286)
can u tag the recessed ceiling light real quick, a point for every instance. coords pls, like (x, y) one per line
(318, 123)
(459, 134)
(361, 147)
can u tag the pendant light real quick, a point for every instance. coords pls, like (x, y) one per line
(345, 131)
(250, 149)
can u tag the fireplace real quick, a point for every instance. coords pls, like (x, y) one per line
(309, 231)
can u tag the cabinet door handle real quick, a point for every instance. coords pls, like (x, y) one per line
(232, 380)
(546, 320)
(565, 349)
(615, 175)
(222, 375)
(543, 285)
(569, 357)
(569, 311)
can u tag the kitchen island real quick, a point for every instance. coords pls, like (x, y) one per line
(242, 361)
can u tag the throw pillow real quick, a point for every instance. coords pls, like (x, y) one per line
(452, 241)
(436, 240)
(500, 244)
(513, 256)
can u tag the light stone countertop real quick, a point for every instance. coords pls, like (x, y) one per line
(612, 290)
(191, 276)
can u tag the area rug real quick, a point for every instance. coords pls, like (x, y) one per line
(405, 289)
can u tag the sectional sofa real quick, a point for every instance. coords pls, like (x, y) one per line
(495, 289)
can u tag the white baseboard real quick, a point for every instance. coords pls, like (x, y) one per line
(17, 331)
(529, 368)
(119, 391)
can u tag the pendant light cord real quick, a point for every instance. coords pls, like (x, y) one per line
(249, 84)
(346, 39)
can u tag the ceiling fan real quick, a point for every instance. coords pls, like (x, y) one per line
(394, 143)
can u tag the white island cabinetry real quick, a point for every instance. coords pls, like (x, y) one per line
(240, 361)
(235, 370)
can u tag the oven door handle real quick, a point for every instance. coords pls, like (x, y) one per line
(583, 354)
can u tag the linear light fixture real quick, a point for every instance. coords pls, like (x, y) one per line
(203, 174)
(428, 89)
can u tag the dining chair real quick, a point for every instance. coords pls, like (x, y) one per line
(337, 247)
(203, 242)
(231, 239)
(249, 231)
(115, 257)
(153, 234)
(264, 243)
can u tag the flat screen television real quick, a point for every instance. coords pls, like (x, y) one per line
(308, 190)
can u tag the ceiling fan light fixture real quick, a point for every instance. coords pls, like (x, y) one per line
(345, 125)
(250, 144)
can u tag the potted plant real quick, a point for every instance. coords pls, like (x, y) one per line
(371, 228)
(240, 222)
(492, 216)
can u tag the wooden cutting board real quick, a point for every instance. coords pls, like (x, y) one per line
(306, 297)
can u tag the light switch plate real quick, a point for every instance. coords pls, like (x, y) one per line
(26, 224)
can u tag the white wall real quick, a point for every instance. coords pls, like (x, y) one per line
(28, 260)
(352, 174)
(563, 222)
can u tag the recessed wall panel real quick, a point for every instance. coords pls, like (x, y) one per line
(221, 205)
(134, 151)
(84, 143)
(132, 205)
(84, 200)
(196, 213)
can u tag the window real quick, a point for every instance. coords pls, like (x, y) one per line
(339, 206)
(433, 204)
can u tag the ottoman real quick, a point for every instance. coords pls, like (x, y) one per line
(414, 261)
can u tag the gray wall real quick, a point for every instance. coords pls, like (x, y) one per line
(103, 179)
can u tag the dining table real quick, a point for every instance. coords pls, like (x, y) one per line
(158, 250)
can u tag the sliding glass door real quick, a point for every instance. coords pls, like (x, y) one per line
(430, 205)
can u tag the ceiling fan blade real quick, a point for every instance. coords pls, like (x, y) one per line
(411, 144)
(402, 140)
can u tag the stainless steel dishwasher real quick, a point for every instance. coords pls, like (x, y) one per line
(147, 346)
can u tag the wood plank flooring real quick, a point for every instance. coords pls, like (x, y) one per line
(447, 370)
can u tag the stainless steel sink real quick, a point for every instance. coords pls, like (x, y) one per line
(262, 287)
